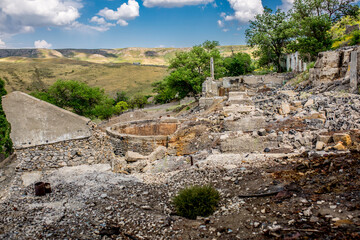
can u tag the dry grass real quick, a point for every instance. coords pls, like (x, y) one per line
(32, 74)
(113, 73)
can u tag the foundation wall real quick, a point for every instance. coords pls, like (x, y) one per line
(93, 150)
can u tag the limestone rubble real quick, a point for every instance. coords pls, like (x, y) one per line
(285, 159)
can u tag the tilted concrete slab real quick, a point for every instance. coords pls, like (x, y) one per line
(35, 122)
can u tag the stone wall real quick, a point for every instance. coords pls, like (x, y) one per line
(335, 65)
(92, 150)
(141, 136)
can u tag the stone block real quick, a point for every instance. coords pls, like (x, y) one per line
(245, 124)
(342, 137)
(320, 145)
(159, 153)
(246, 144)
(206, 102)
(309, 103)
(285, 108)
(133, 156)
(235, 108)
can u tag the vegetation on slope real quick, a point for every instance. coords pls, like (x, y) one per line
(27, 75)
(5, 128)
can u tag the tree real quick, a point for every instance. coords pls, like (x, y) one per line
(238, 64)
(188, 71)
(138, 101)
(333, 9)
(270, 33)
(312, 36)
(80, 98)
(77, 96)
(5, 128)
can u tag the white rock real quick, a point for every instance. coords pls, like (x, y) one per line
(133, 156)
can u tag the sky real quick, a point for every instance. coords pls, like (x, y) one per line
(97, 24)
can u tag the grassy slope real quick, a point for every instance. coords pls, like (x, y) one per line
(112, 73)
(31, 74)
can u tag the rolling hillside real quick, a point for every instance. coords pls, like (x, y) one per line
(130, 69)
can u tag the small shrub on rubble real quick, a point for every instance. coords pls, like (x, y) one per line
(196, 201)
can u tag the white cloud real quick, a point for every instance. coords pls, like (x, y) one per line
(174, 3)
(2, 44)
(286, 4)
(98, 20)
(122, 14)
(17, 16)
(245, 10)
(42, 44)
(221, 23)
(103, 25)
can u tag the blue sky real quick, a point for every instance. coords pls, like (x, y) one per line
(126, 23)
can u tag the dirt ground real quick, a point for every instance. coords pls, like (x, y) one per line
(300, 198)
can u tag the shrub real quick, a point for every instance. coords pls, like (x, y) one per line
(196, 201)
(5, 128)
(138, 101)
(121, 107)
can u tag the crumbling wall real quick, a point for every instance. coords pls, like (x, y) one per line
(92, 150)
(141, 136)
(336, 65)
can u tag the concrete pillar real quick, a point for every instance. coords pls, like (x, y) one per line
(296, 62)
(212, 70)
(353, 72)
(293, 66)
(305, 66)
(300, 66)
(288, 62)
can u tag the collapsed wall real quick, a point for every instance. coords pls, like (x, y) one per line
(342, 64)
(47, 137)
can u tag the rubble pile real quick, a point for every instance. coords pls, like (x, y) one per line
(285, 160)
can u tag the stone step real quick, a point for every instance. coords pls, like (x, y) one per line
(236, 108)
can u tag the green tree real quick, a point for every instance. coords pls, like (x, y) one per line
(164, 93)
(121, 97)
(80, 98)
(188, 71)
(138, 101)
(333, 9)
(77, 96)
(270, 33)
(5, 128)
(238, 64)
(121, 107)
(312, 36)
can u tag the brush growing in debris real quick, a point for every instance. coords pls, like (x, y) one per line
(196, 201)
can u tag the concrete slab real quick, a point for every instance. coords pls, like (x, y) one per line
(35, 122)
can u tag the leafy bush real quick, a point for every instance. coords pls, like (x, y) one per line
(121, 97)
(5, 128)
(138, 101)
(78, 97)
(196, 201)
(355, 38)
(121, 107)
(238, 64)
